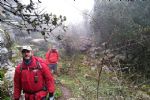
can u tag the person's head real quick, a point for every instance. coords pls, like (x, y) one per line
(26, 52)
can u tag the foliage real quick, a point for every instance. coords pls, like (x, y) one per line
(123, 27)
(40, 54)
(83, 83)
(4, 92)
(1, 74)
(119, 17)
(146, 88)
(58, 92)
(4, 95)
(28, 17)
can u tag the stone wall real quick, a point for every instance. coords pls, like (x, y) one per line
(4, 52)
(5, 63)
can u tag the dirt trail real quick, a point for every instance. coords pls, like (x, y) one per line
(66, 93)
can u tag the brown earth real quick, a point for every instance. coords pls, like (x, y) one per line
(66, 93)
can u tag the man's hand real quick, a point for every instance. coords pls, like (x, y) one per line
(51, 94)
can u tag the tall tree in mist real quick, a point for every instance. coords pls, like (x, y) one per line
(125, 26)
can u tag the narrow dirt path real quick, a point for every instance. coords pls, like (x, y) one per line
(66, 93)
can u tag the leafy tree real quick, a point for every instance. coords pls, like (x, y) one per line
(124, 27)
(28, 17)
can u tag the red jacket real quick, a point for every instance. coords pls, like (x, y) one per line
(24, 80)
(52, 57)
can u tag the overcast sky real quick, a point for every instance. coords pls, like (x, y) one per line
(72, 9)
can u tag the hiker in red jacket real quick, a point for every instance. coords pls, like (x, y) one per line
(52, 57)
(33, 77)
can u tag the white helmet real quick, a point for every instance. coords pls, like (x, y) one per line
(26, 48)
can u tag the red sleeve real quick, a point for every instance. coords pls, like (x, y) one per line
(17, 83)
(48, 78)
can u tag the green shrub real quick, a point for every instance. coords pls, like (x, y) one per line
(58, 92)
(2, 72)
(4, 94)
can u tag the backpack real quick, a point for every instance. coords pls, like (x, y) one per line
(52, 57)
(38, 67)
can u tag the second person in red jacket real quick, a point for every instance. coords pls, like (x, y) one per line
(52, 57)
